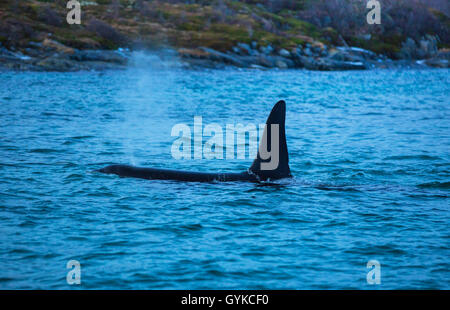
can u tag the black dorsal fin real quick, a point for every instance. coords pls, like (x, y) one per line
(267, 164)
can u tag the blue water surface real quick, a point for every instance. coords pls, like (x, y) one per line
(369, 151)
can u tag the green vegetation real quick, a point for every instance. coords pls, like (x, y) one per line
(219, 24)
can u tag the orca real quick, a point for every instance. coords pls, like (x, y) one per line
(258, 172)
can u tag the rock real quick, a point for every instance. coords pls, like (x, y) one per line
(192, 53)
(222, 57)
(257, 67)
(56, 46)
(100, 55)
(275, 62)
(308, 63)
(37, 45)
(294, 53)
(297, 60)
(316, 50)
(307, 51)
(437, 63)
(425, 48)
(215, 58)
(284, 53)
(428, 46)
(57, 64)
(408, 50)
(267, 50)
(266, 61)
(289, 62)
(352, 53)
(329, 64)
(444, 54)
(20, 66)
(365, 37)
(236, 50)
(249, 61)
(343, 56)
(88, 44)
(281, 64)
(193, 63)
(298, 57)
(332, 65)
(244, 48)
(8, 55)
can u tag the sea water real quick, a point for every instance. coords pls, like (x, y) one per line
(369, 152)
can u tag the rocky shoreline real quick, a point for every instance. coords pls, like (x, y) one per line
(51, 55)
(316, 58)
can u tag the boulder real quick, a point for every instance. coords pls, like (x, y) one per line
(425, 48)
(324, 51)
(192, 53)
(214, 55)
(281, 64)
(244, 49)
(307, 52)
(437, 63)
(284, 53)
(329, 64)
(100, 55)
(56, 46)
(266, 61)
(408, 50)
(428, 46)
(353, 53)
(316, 50)
(266, 50)
(57, 64)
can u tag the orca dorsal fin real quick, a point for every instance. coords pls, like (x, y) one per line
(272, 161)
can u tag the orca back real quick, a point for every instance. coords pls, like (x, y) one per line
(271, 163)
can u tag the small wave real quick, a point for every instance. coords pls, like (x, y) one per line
(192, 227)
(118, 243)
(440, 185)
(74, 176)
(372, 114)
(44, 151)
(344, 161)
(58, 114)
(337, 188)
(81, 137)
(412, 157)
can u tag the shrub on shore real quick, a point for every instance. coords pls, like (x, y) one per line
(221, 24)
